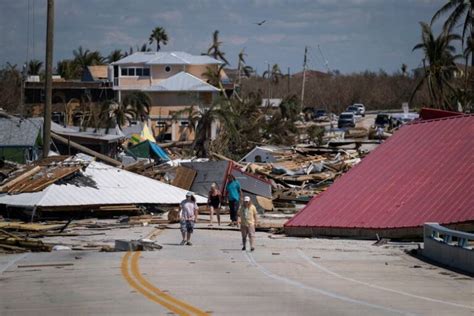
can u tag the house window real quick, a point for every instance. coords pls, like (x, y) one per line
(161, 124)
(168, 68)
(184, 123)
(135, 72)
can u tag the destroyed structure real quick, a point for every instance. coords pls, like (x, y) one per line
(419, 175)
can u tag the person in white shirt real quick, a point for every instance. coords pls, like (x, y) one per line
(188, 214)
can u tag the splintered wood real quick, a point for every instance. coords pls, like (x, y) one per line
(37, 177)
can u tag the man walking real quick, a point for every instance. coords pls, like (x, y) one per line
(234, 194)
(187, 217)
(248, 221)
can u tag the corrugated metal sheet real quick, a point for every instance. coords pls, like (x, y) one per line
(252, 184)
(167, 58)
(106, 185)
(182, 81)
(208, 173)
(423, 173)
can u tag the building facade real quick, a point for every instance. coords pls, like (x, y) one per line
(174, 81)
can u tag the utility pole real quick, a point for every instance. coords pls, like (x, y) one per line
(48, 79)
(269, 84)
(304, 76)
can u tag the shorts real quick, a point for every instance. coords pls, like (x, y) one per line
(186, 226)
(247, 231)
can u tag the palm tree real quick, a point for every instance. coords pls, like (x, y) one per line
(215, 50)
(158, 35)
(68, 69)
(116, 114)
(458, 9)
(242, 66)
(274, 74)
(34, 67)
(115, 55)
(140, 103)
(201, 119)
(439, 55)
(85, 58)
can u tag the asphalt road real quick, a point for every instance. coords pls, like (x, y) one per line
(284, 276)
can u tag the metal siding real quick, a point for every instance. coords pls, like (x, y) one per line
(424, 172)
(115, 186)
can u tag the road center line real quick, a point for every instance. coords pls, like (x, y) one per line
(131, 273)
(320, 267)
(144, 292)
(136, 273)
(302, 286)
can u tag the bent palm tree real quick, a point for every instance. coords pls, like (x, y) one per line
(158, 35)
(116, 114)
(439, 54)
(242, 67)
(215, 49)
(458, 9)
(274, 74)
(139, 103)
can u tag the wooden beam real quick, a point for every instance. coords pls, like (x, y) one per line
(86, 150)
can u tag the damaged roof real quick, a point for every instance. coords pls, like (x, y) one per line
(101, 184)
(20, 132)
(423, 173)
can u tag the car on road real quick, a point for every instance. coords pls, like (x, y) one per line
(346, 119)
(354, 109)
(320, 115)
(361, 108)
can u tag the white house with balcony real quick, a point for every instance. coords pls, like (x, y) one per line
(173, 80)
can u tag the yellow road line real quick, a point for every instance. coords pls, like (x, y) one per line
(157, 291)
(150, 296)
(144, 287)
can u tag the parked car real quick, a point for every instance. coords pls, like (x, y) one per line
(346, 119)
(320, 114)
(361, 108)
(387, 121)
(354, 109)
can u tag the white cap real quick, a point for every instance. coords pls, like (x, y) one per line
(247, 199)
(189, 193)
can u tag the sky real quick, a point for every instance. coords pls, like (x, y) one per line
(347, 35)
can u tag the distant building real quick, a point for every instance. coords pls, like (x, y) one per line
(20, 138)
(174, 81)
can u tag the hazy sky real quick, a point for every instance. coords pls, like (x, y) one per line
(354, 35)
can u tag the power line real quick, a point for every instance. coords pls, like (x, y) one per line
(34, 26)
(28, 31)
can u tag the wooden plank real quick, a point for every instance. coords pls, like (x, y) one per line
(184, 178)
(20, 178)
(86, 150)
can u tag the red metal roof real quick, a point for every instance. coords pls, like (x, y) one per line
(423, 173)
(430, 114)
